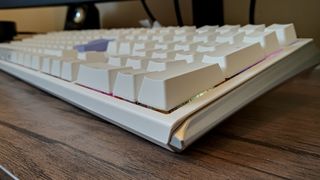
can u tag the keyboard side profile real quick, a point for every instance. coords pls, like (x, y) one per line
(165, 117)
(305, 55)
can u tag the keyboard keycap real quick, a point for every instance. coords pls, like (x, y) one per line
(187, 46)
(125, 47)
(118, 60)
(70, 68)
(205, 37)
(128, 83)
(36, 63)
(113, 47)
(248, 29)
(137, 62)
(185, 29)
(189, 56)
(230, 37)
(207, 28)
(98, 76)
(228, 28)
(268, 41)
(175, 86)
(285, 32)
(210, 46)
(165, 54)
(46, 64)
(27, 60)
(162, 65)
(235, 58)
(56, 66)
(137, 45)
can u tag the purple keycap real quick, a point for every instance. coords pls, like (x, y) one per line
(95, 45)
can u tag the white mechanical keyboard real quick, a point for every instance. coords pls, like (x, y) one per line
(169, 85)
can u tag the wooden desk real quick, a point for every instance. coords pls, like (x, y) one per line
(276, 136)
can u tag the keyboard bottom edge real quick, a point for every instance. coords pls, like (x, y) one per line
(206, 119)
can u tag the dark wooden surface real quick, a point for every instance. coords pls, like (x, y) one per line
(275, 137)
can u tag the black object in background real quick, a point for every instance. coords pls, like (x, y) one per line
(149, 13)
(252, 11)
(89, 21)
(178, 12)
(82, 16)
(7, 30)
(207, 12)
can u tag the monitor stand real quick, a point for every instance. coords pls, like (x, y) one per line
(82, 16)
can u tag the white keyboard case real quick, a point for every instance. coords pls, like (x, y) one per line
(178, 129)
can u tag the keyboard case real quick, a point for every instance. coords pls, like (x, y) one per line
(178, 129)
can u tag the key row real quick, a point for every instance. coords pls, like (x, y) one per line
(156, 86)
(228, 33)
(151, 49)
(155, 61)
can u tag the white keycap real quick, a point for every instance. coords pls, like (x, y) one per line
(128, 83)
(268, 41)
(165, 45)
(187, 46)
(176, 86)
(98, 76)
(230, 37)
(235, 58)
(145, 37)
(143, 45)
(70, 69)
(5, 54)
(210, 46)
(285, 32)
(252, 28)
(153, 31)
(56, 66)
(162, 65)
(163, 37)
(137, 62)
(207, 28)
(185, 29)
(228, 28)
(125, 47)
(112, 47)
(46, 64)
(183, 37)
(189, 56)
(170, 29)
(14, 56)
(27, 60)
(118, 60)
(205, 37)
(52, 52)
(165, 54)
(20, 58)
(144, 52)
(36, 61)
(131, 37)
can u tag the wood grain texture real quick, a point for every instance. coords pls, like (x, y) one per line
(275, 137)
